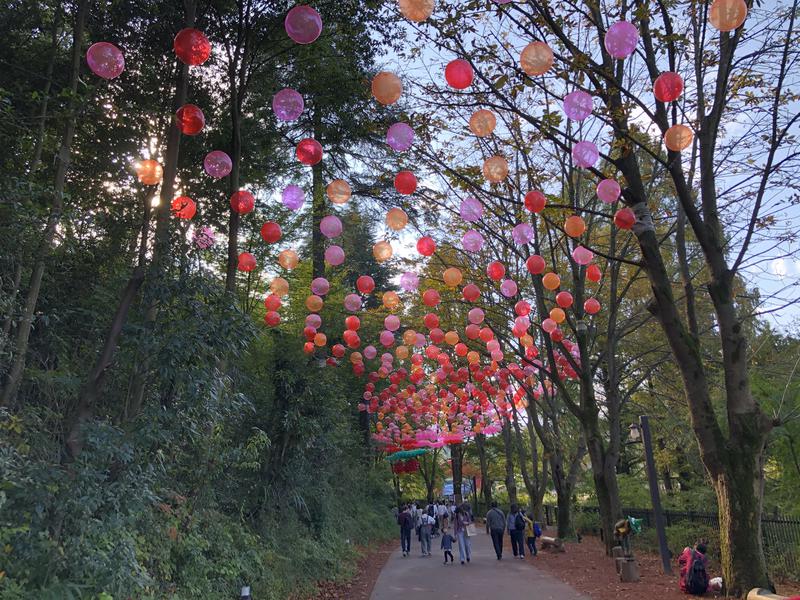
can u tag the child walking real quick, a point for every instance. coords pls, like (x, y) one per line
(447, 545)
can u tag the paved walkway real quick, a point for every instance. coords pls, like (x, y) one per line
(484, 578)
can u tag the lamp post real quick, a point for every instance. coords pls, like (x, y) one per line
(642, 431)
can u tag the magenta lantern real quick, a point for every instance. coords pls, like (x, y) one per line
(585, 154)
(352, 302)
(621, 39)
(508, 288)
(334, 255)
(217, 164)
(287, 104)
(303, 24)
(400, 136)
(105, 60)
(409, 281)
(471, 209)
(608, 191)
(293, 197)
(578, 105)
(330, 226)
(522, 234)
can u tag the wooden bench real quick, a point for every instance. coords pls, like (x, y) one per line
(762, 594)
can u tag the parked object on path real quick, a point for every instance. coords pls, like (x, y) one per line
(552, 544)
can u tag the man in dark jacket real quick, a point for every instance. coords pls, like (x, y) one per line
(495, 525)
(406, 525)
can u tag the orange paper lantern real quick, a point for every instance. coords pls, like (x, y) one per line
(288, 259)
(416, 10)
(536, 59)
(279, 286)
(386, 87)
(382, 251)
(551, 281)
(149, 172)
(391, 300)
(314, 303)
(574, 226)
(452, 276)
(338, 191)
(396, 219)
(482, 122)
(727, 15)
(678, 137)
(495, 169)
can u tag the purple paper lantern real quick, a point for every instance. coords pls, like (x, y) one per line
(508, 288)
(334, 255)
(472, 241)
(621, 39)
(522, 234)
(585, 154)
(320, 286)
(105, 60)
(217, 164)
(293, 197)
(288, 104)
(352, 303)
(314, 321)
(400, 136)
(303, 24)
(409, 281)
(608, 191)
(330, 226)
(471, 210)
(578, 105)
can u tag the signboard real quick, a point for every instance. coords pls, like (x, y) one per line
(466, 487)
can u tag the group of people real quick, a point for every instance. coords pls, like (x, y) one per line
(437, 518)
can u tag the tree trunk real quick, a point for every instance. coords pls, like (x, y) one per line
(236, 158)
(486, 482)
(45, 245)
(9, 320)
(508, 447)
(318, 208)
(40, 129)
(456, 457)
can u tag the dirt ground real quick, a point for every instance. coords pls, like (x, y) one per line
(360, 587)
(586, 568)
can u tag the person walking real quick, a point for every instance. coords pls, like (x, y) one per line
(532, 531)
(406, 525)
(516, 530)
(495, 526)
(460, 523)
(447, 545)
(425, 530)
(444, 515)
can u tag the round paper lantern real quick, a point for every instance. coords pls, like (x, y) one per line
(451, 338)
(593, 273)
(564, 299)
(471, 292)
(183, 207)
(585, 154)
(522, 234)
(382, 251)
(535, 264)
(405, 183)
(330, 226)
(370, 352)
(149, 172)
(482, 122)
(247, 262)
(475, 316)
(496, 270)
(308, 348)
(386, 88)
(314, 303)
(472, 241)
(105, 60)
(352, 303)
(320, 340)
(352, 323)
(551, 281)
(365, 284)
(400, 137)
(522, 308)
(431, 321)
(495, 169)
(338, 191)
(396, 219)
(727, 15)
(556, 335)
(508, 288)
(313, 321)
(624, 218)
(288, 104)
(536, 59)
(452, 276)
(409, 281)
(426, 246)
(578, 105)
(608, 191)
(459, 74)
(280, 287)
(471, 210)
(592, 306)
(409, 337)
(334, 255)
(431, 297)
(416, 10)
(668, 87)
(338, 350)
(558, 315)
(472, 330)
(392, 322)
(204, 237)
(309, 151)
(391, 300)
(535, 201)
(582, 256)
(272, 318)
(190, 119)
(217, 164)
(271, 232)
(621, 39)
(386, 338)
(320, 286)
(192, 46)
(574, 226)
(549, 325)
(242, 202)
(678, 137)
(303, 24)
(288, 259)
(293, 197)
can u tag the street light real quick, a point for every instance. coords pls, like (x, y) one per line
(641, 431)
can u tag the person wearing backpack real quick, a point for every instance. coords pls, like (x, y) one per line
(406, 524)
(694, 578)
(516, 531)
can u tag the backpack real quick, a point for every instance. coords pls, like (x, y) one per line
(519, 522)
(537, 531)
(430, 510)
(696, 576)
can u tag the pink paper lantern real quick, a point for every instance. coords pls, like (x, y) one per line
(582, 256)
(578, 105)
(400, 137)
(522, 234)
(608, 191)
(293, 197)
(217, 164)
(370, 352)
(334, 255)
(288, 104)
(585, 154)
(392, 322)
(330, 226)
(352, 302)
(471, 210)
(386, 338)
(320, 286)
(621, 39)
(105, 60)
(508, 288)
(409, 281)
(314, 321)
(472, 241)
(204, 237)
(475, 316)
(303, 24)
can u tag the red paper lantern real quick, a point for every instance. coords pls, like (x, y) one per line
(459, 74)
(192, 46)
(431, 321)
(431, 297)
(522, 308)
(365, 284)
(242, 202)
(535, 201)
(405, 182)
(535, 264)
(272, 302)
(271, 232)
(183, 207)
(352, 323)
(247, 262)
(272, 318)
(668, 87)
(426, 246)
(309, 151)
(190, 119)
(624, 218)
(592, 306)
(564, 299)
(471, 292)
(593, 273)
(496, 270)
